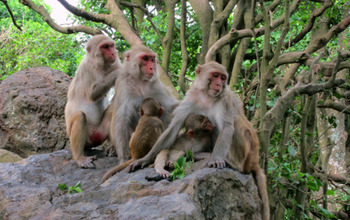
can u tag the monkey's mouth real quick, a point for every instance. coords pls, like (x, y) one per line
(214, 92)
(149, 75)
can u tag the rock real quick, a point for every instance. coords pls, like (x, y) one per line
(32, 105)
(7, 156)
(28, 190)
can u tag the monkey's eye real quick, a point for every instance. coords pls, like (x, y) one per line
(223, 77)
(105, 46)
(153, 60)
(145, 58)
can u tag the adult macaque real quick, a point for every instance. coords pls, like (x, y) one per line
(236, 142)
(146, 133)
(87, 119)
(138, 79)
(197, 138)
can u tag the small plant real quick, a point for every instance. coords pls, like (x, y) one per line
(180, 165)
(71, 189)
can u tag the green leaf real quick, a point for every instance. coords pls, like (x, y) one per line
(330, 192)
(292, 151)
(62, 186)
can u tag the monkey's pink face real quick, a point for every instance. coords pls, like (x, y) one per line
(148, 65)
(108, 52)
(217, 83)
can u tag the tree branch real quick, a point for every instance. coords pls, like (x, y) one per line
(336, 106)
(310, 24)
(320, 42)
(82, 13)
(66, 30)
(234, 34)
(184, 53)
(132, 5)
(11, 14)
(219, 19)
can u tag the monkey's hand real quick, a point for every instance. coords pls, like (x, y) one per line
(86, 162)
(216, 162)
(140, 163)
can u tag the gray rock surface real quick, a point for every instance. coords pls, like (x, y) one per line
(32, 105)
(28, 190)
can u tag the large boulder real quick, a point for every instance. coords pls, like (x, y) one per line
(32, 105)
(28, 190)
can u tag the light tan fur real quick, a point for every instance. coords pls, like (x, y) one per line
(132, 86)
(87, 120)
(236, 142)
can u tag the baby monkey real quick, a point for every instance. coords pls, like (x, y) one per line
(197, 138)
(147, 131)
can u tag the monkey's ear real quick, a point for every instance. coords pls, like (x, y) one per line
(141, 113)
(198, 69)
(161, 111)
(88, 49)
(127, 56)
(190, 133)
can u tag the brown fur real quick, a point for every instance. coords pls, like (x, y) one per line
(146, 133)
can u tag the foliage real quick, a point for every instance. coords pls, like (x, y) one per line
(180, 166)
(71, 189)
(37, 45)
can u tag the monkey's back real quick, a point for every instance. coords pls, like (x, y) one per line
(147, 131)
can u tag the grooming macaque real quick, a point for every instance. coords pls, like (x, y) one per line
(138, 79)
(236, 142)
(87, 117)
(197, 138)
(146, 133)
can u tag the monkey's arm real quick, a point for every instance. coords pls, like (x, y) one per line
(160, 163)
(121, 129)
(224, 139)
(101, 87)
(167, 100)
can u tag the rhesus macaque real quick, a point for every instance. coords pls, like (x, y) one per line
(236, 142)
(197, 138)
(87, 117)
(146, 133)
(138, 79)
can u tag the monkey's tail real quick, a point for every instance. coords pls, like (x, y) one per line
(261, 183)
(114, 170)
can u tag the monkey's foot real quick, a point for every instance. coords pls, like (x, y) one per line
(218, 163)
(170, 164)
(86, 162)
(111, 152)
(163, 173)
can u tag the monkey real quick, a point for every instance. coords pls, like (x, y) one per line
(197, 138)
(236, 142)
(86, 113)
(146, 133)
(138, 79)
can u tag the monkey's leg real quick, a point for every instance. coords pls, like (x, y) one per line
(78, 138)
(174, 154)
(201, 156)
(105, 129)
(160, 162)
